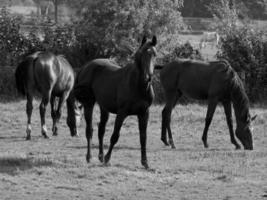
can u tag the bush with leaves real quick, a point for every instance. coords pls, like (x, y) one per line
(243, 46)
(113, 28)
(14, 46)
(246, 50)
(11, 41)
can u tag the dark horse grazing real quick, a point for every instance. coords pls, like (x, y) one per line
(53, 77)
(213, 81)
(123, 91)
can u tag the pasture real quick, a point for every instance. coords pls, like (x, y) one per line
(56, 168)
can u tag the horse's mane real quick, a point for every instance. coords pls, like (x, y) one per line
(235, 85)
(238, 95)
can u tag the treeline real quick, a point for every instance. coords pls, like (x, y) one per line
(113, 29)
(255, 9)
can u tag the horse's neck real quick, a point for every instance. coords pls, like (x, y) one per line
(139, 76)
(137, 81)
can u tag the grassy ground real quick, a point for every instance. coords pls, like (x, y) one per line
(56, 168)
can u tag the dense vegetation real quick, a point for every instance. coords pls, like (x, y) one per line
(113, 29)
(244, 47)
(104, 29)
(255, 9)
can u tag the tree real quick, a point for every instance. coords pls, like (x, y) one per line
(114, 26)
(55, 2)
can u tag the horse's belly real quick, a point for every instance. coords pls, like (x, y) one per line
(59, 90)
(195, 86)
(195, 92)
(107, 101)
(199, 95)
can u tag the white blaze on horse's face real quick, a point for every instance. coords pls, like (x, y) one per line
(149, 67)
(152, 51)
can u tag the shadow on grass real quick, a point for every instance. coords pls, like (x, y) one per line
(106, 146)
(21, 138)
(13, 165)
(11, 137)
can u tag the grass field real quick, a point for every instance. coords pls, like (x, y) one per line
(56, 168)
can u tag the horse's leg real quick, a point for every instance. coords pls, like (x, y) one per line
(211, 109)
(142, 123)
(101, 131)
(228, 112)
(166, 118)
(53, 112)
(88, 112)
(29, 108)
(58, 113)
(42, 108)
(115, 135)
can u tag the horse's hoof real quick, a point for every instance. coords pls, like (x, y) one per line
(55, 133)
(106, 164)
(144, 163)
(206, 145)
(172, 144)
(101, 158)
(106, 159)
(28, 137)
(76, 135)
(45, 136)
(88, 158)
(165, 141)
(237, 147)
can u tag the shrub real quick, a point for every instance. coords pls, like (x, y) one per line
(112, 28)
(246, 50)
(11, 41)
(244, 47)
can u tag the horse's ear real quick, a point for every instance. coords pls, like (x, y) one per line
(253, 118)
(144, 40)
(154, 41)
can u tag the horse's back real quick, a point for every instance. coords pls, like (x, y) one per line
(96, 77)
(53, 73)
(96, 69)
(65, 75)
(101, 80)
(198, 79)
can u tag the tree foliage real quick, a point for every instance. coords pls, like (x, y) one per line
(11, 41)
(115, 26)
(244, 47)
(255, 9)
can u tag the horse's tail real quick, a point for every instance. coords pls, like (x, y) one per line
(79, 91)
(82, 93)
(159, 67)
(21, 76)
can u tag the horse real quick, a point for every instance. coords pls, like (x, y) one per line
(123, 91)
(215, 81)
(212, 37)
(52, 76)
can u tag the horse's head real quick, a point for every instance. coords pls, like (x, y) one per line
(244, 133)
(74, 114)
(144, 57)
